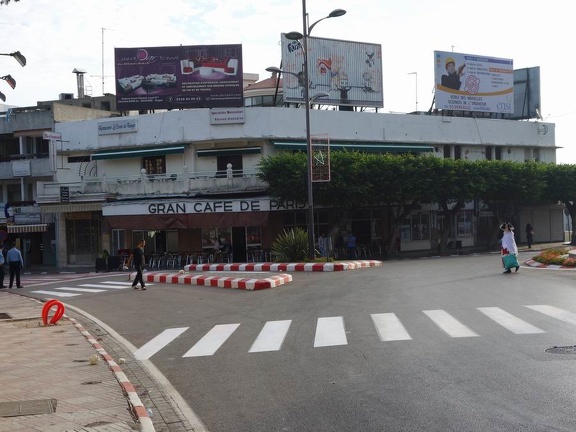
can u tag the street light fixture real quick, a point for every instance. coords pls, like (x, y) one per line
(18, 56)
(11, 81)
(306, 84)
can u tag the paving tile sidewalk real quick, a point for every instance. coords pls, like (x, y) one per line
(40, 362)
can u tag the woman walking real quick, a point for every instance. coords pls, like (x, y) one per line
(509, 249)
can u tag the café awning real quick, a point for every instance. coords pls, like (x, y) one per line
(137, 152)
(20, 229)
(371, 147)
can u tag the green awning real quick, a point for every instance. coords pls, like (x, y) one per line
(137, 152)
(372, 147)
(238, 151)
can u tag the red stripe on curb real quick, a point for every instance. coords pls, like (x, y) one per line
(137, 406)
(268, 266)
(216, 281)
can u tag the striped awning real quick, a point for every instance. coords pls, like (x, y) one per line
(137, 152)
(18, 229)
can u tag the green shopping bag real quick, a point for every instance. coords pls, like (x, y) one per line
(510, 261)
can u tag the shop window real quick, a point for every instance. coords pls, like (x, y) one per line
(464, 223)
(416, 227)
(118, 237)
(253, 236)
(154, 164)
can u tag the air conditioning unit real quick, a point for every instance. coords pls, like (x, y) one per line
(66, 96)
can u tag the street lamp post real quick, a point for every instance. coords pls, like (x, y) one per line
(304, 36)
(416, 75)
(18, 56)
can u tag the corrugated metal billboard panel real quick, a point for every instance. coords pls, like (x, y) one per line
(527, 103)
(467, 82)
(350, 72)
(197, 76)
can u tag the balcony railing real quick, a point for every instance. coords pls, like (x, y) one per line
(183, 183)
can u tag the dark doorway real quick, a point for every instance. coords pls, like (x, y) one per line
(239, 244)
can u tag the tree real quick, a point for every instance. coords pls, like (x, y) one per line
(5, 2)
(507, 185)
(561, 186)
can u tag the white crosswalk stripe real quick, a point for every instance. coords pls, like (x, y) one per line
(152, 347)
(55, 294)
(449, 324)
(329, 332)
(86, 290)
(389, 327)
(554, 312)
(509, 321)
(213, 340)
(104, 285)
(271, 336)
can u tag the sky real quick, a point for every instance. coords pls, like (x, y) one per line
(59, 36)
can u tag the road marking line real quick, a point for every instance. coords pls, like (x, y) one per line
(329, 332)
(55, 294)
(104, 286)
(389, 327)
(449, 324)
(212, 340)
(271, 336)
(554, 312)
(123, 283)
(87, 290)
(156, 344)
(509, 321)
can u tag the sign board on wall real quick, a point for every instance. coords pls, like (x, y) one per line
(350, 72)
(467, 82)
(197, 76)
(117, 126)
(227, 115)
(21, 168)
(200, 207)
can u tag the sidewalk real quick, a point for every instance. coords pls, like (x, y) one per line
(48, 383)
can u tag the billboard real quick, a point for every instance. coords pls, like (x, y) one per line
(350, 72)
(466, 82)
(197, 76)
(526, 95)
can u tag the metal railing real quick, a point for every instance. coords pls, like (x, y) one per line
(147, 184)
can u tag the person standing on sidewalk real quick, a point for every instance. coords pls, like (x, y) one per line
(529, 235)
(137, 258)
(15, 264)
(2, 274)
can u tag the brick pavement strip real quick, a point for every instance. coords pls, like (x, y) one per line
(52, 362)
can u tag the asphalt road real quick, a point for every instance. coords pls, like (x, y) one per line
(437, 344)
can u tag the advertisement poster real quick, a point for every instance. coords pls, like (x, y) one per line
(466, 82)
(350, 72)
(200, 76)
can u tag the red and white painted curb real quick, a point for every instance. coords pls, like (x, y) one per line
(275, 267)
(536, 264)
(138, 408)
(252, 284)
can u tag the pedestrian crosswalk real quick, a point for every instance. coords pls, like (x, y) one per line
(85, 288)
(331, 331)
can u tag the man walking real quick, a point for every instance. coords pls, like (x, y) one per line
(15, 263)
(137, 257)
